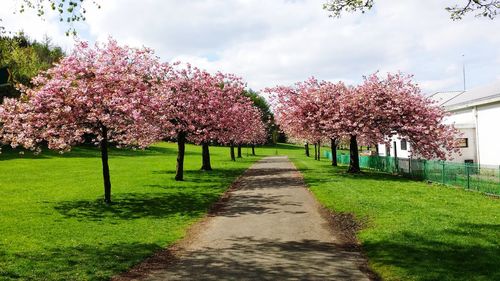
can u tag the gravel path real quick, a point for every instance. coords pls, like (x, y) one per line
(270, 229)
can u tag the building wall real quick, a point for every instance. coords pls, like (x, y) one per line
(483, 139)
(401, 153)
(469, 152)
(465, 121)
(466, 153)
(488, 127)
(464, 118)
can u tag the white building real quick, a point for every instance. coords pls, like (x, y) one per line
(476, 113)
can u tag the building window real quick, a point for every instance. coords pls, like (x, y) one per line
(404, 145)
(463, 142)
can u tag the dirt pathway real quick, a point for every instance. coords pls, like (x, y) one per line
(270, 229)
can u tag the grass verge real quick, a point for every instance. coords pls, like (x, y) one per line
(54, 225)
(412, 230)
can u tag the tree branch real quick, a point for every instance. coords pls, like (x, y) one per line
(481, 8)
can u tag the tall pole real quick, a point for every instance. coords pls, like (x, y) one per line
(463, 71)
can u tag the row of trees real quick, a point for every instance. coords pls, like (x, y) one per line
(373, 112)
(128, 98)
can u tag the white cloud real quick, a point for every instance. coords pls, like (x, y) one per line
(273, 42)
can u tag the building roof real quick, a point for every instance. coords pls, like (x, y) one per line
(455, 100)
(443, 97)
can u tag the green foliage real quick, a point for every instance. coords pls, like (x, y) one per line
(481, 8)
(69, 11)
(413, 230)
(267, 115)
(261, 103)
(55, 226)
(25, 59)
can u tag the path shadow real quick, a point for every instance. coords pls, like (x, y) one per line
(139, 205)
(249, 258)
(245, 204)
(249, 202)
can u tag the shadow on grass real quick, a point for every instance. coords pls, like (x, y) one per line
(139, 205)
(83, 262)
(339, 174)
(288, 146)
(489, 233)
(200, 176)
(426, 259)
(87, 152)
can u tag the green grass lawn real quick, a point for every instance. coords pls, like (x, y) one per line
(413, 230)
(54, 225)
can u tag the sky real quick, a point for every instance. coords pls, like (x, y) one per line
(280, 42)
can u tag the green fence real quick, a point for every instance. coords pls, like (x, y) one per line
(467, 175)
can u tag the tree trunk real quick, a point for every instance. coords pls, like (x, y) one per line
(319, 151)
(239, 150)
(253, 150)
(315, 151)
(232, 152)
(105, 166)
(354, 155)
(181, 148)
(205, 155)
(307, 149)
(334, 152)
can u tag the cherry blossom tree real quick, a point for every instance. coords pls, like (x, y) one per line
(329, 114)
(296, 111)
(415, 117)
(252, 129)
(204, 108)
(185, 97)
(244, 124)
(379, 109)
(371, 113)
(107, 91)
(221, 94)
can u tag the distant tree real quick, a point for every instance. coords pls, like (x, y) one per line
(267, 115)
(24, 59)
(481, 8)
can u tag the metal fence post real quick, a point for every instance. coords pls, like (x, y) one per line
(468, 175)
(409, 167)
(443, 173)
(424, 174)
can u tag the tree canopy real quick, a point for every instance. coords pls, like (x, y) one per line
(373, 112)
